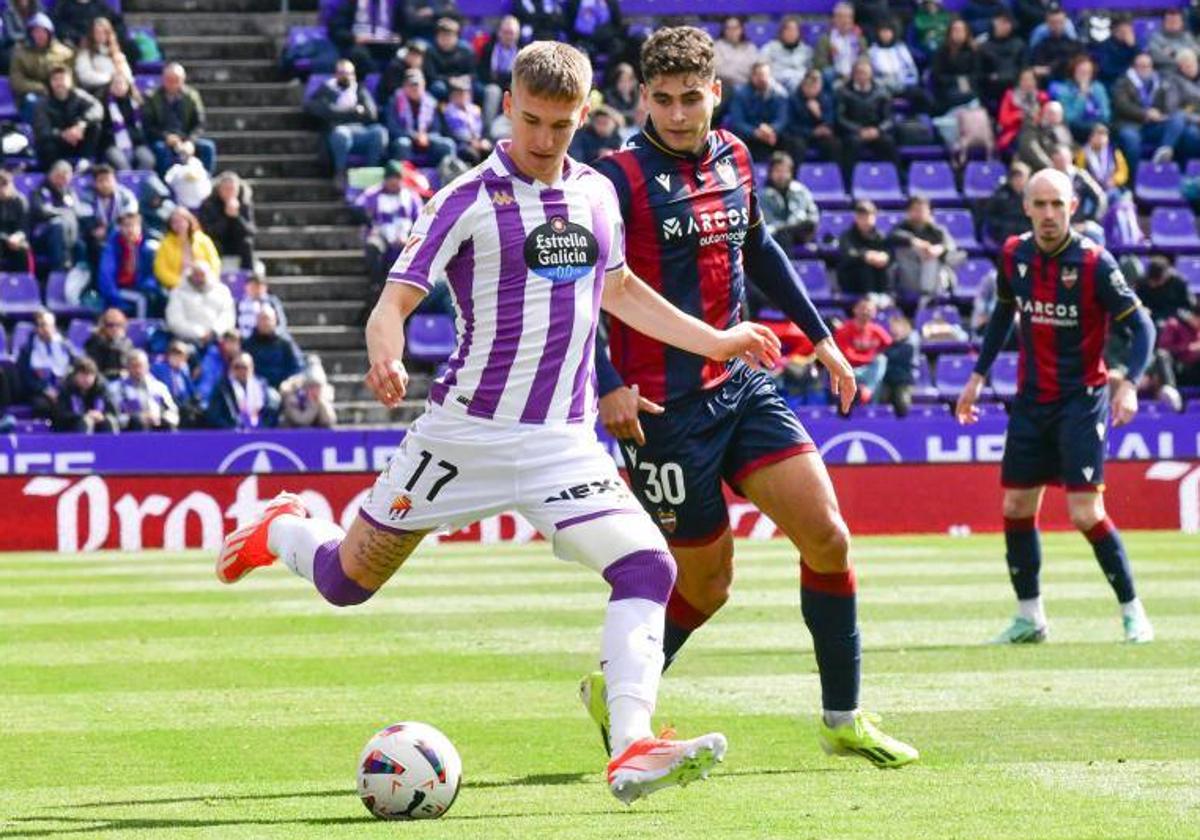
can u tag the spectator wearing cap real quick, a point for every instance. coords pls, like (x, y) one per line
(421, 16)
(389, 209)
(66, 122)
(495, 65)
(143, 403)
(307, 399)
(108, 345)
(276, 356)
(351, 119)
(13, 26)
(34, 58)
(541, 20)
(15, 255)
(464, 123)
(449, 58)
(1001, 58)
(255, 298)
(1115, 55)
(1142, 112)
(367, 32)
(83, 404)
(409, 57)
(227, 216)
(1051, 54)
(123, 140)
(758, 113)
(734, 54)
(174, 119)
(863, 255)
(812, 118)
(1172, 38)
(54, 213)
(864, 119)
(186, 252)
(601, 136)
(125, 278)
(44, 363)
(1164, 292)
(862, 339)
(788, 207)
(174, 373)
(1038, 139)
(415, 125)
(839, 48)
(243, 400)
(1004, 213)
(1085, 101)
(895, 69)
(787, 54)
(100, 208)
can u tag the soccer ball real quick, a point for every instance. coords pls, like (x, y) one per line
(409, 771)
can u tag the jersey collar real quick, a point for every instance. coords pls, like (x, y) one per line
(656, 140)
(510, 166)
(1062, 246)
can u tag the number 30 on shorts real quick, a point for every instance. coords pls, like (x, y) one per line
(663, 483)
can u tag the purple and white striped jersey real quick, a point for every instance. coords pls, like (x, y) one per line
(525, 262)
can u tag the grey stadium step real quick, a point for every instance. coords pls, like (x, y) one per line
(324, 313)
(258, 119)
(350, 287)
(315, 189)
(167, 24)
(314, 262)
(333, 212)
(271, 143)
(316, 339)
(260, 68)
(252, 95)
(273, 166)
(325, 237)
(188, 48)
(218, 6)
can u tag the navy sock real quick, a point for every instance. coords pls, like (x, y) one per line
(682, 619)
(1110, 553)
(829, 603)
(1024, 554)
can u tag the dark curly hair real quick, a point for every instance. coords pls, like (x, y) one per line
(676, 50)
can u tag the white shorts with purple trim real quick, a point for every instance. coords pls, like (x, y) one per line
(451, 471)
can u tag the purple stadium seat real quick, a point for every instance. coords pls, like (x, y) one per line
(56, 298)
(824, 181)
(971, 275)
(1189, 268)
(1174, 229)
(879, 181)
(431, 338)
(1158, 183)
(155, 66)
(875, 411)
(1004, 376)
(761, 170)
(812, 30)
(933, 179)
(486, 8)
(816, 280)
(831, 225)
(961, 227)
(981, 177)
(885, 220)
(1193, 168)
(19, 295)
(947, 314)
(952, 373)
(326, 9)
(8, 105)
(78, 332)
(236, 281)
(371, 80)
(923, 151)
(297, 37)
(924, 390)
(20, 336)
(145, 82)
(712, 27)
(1145, 27)
(759, 32)
(133, 179)
(139, 330)
(4, 354)
(28, 182)
(314, 82)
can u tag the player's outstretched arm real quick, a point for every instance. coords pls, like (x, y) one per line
(387, 377)
(995, 336)
(639, 306)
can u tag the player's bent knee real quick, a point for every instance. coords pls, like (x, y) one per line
(828, 550)
(597, 543)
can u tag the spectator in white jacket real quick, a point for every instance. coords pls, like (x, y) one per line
(200, 308)
(788, 55)
(895, 70)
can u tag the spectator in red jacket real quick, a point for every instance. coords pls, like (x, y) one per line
(862, 339)
(1020, 104)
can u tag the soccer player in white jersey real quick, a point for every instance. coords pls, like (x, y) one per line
(532, 245)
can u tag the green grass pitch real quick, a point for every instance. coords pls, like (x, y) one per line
(139, 698)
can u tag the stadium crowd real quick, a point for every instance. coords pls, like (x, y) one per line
(891, 139)
(111, 209)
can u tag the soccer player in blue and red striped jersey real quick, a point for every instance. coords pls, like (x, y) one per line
(694, 233)
(1067, 293)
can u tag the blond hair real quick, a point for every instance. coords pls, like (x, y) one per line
(553, 70)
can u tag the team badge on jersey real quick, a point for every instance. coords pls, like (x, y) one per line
(1022, 268)
(561, 251)
(1070, 274)
(726, 172)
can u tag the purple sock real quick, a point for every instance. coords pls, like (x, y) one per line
(645, 574)
(332, 582)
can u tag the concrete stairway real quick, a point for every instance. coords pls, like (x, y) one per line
(307, 236)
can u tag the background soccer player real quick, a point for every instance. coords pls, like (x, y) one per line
(694, 231)
(531, 245)
(1067, 291)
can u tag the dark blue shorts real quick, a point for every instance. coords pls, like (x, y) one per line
(1062, 442)
(722, 434)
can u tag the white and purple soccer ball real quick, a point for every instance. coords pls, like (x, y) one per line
(409, 771)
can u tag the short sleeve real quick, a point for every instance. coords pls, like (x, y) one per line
(616, 250)
(436, 237)
(1116, 297)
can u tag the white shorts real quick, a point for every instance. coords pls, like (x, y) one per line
(450, 471)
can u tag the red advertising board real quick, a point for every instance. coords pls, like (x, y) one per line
(88, 513)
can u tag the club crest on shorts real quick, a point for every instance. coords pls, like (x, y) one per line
(1070, 275)
(399, 507)
(666, 520)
